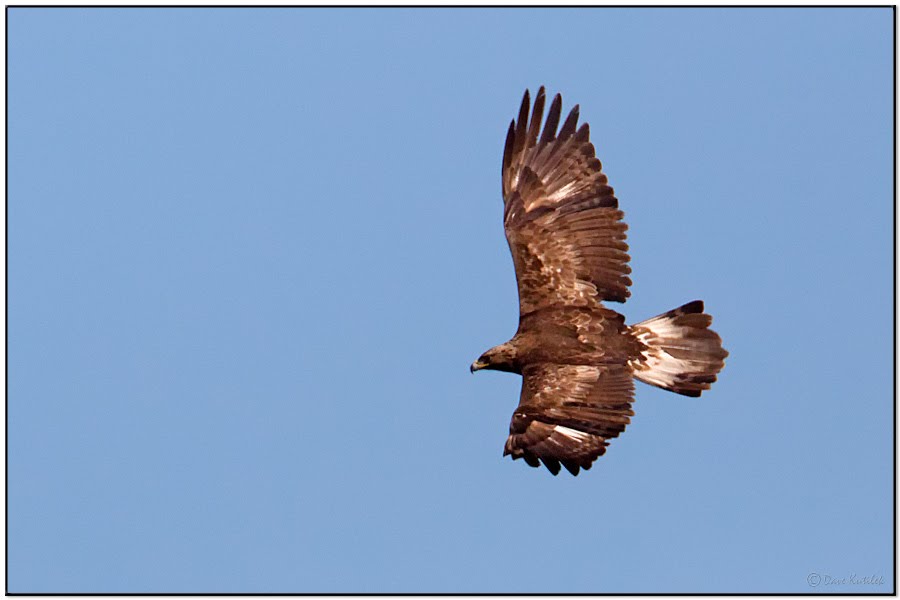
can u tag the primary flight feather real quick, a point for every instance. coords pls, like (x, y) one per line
(578, 359)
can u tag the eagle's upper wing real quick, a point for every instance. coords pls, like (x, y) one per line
(567, 413)
(561, 218)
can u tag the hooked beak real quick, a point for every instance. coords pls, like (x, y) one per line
(477, 366)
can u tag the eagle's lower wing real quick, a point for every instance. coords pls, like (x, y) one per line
(561, 218)
(567, 413)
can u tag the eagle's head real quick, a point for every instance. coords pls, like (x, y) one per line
(498, 358)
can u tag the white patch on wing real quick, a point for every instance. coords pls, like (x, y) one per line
(573, 434)
(564, 191)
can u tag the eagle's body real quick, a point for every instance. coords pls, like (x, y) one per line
(572, 336)
(578, 358)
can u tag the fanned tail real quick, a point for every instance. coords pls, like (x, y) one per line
(682, 354)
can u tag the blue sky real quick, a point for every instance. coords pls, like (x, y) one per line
(252, 254)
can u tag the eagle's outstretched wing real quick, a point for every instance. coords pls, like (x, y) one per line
(567, 413)
(561, 218)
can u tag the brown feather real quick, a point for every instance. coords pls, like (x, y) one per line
(559, 211)
(536, 116)
(578, 359)
(568, 412)
(552, 120)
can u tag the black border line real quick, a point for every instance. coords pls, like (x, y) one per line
(6, 297)
(895, 299)
(522, 6)
(893, 7)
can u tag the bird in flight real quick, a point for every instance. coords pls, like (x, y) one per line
(577, 358)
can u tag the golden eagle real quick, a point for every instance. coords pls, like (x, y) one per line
(578, 359)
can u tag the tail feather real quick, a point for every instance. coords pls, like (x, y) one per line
(681, 353)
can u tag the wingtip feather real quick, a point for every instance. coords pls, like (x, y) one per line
(552, 120)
